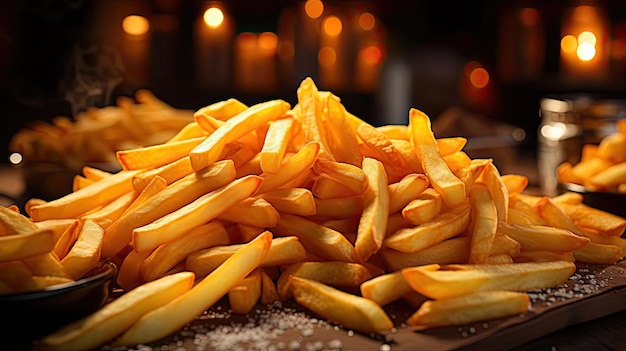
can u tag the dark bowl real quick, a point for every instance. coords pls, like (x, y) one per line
(31, 315)
(608, 201)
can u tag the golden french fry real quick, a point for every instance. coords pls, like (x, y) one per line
(19, 246)
(170, 172)
(275, 145)
(244, 296)
(175, 196)
(223, 110)
(110, 212)
(47, 265)
(469, 308)
(585, 216)
(611, 147)
(394, 131)
(292, 167)
(385, 288)
(79, 182)
(450, 145)
(384, 150)
(16, 277)
(599, 253)
(402, 192)
(340, 207)
(327, 187)
(342, 139)
(196, 213)
(252, 211)
(189, 131)
(269, 294)
(441, 178)
(66, 240)
(464, 279)
(118, 315)
(568, 198)
(248, 120)
(173, 315)
(154, 156)
(298, 201)
(81, 201)
(423, 208)
(373, 222)
(515, 183)
(405, 148)
(552, 214)
(166, 256)
(611, 177)
(544, 256)
(334, 273)
(85, 252)
(498, 190)
(484, 223)
(443, 226)
(457, 161)
(284, 250)
(12, 222)
(309, 113)
(353, 177)
(320, 241)
(536, 237)
(350, 311)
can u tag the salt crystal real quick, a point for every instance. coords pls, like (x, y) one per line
(335, 344)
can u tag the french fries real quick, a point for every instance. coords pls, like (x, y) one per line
(312, 203)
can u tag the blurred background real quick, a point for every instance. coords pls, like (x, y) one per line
(477, 68)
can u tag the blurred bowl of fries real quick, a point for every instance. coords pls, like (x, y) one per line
(53, 152)
(609, 201)
(36, 313)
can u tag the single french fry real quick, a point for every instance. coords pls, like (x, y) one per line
(599, 254)
(79, 182)
(484, 223)
(552, 214)
(603, 222)
(405, 148)
(350, 311)
(283, 250)
(66, 240)
(113, 210)
(515, 183)
(175, 196)
(248, 120)
(536, 237)
(441, 178)
(384, 150)
(298, 201)
(568, 198)
(423, 208)
(469, 308)
(544, 256)
(320, 241)
(252, 211)
(85, 252)
(244, 296)
(386, 288)
(333, 273)
(394, 131)
(457, 161)
(450, 145)
(58, 226)
(498, 190)
(118, 315)
(223, 110)
(269, 294)
(309, 113)
(172, 316)
(189, 131)
(402, 192)
(129, 272)
(464, 279)
(342, 139)
(167, 255)
(275, 145)
(48, 265)
(443, 226)
(353, 177)
(155, 156)
(19, 246)
(373, 222)
(170, 172)
(12, 222)
(81, 201)
(327, 187)
(297, 164)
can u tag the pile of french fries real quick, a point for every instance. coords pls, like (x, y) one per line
(270, 202)
(94, 135)
(602, 167)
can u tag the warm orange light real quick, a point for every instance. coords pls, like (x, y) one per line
(268, 41)
(213, 17)
(246, 41)
(327, 56)
(371, 55)
(479, 77)
(587, 37)
(586, 51)
(332, 26)
(135, 25)
(367, 21)
(313, 8)
(569, 44)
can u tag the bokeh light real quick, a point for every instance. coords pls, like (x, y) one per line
(268, 41)
(586, 51)
(371, 55)
(314, 8)
(569, 44)
(587, 37)
(135, 25)
(479, 77)
(332, 26)
(367, 21)
(16, 158)
(213, 17)
(327, 56)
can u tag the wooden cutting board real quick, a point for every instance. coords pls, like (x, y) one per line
(592, 292)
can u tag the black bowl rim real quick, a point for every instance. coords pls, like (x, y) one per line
(583, 190)
(105, 270)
